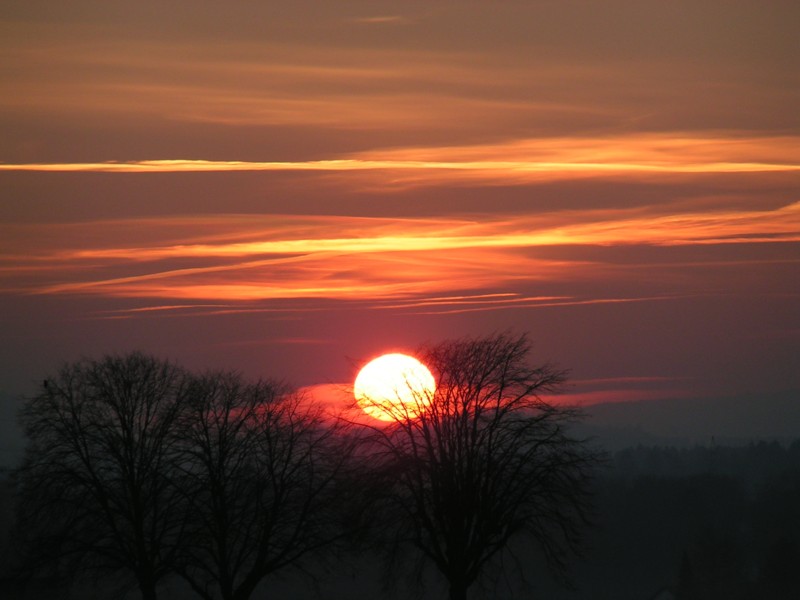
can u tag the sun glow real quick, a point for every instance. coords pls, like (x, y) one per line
(394, 386)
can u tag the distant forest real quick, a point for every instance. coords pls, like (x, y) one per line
(705, 522)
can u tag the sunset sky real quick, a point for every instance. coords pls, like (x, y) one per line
(290, 188)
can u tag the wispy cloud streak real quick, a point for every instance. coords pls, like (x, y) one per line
(420, 263)
(510, 161)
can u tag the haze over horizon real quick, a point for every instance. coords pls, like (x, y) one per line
(289, 189)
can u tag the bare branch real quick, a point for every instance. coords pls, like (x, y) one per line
(483, 461)
(94, 487)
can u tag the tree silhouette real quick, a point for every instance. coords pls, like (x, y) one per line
(483, 461)
(259, 481)
(95, 485)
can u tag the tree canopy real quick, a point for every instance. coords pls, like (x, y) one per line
(484, 460)
(96, 488)
(136, 466)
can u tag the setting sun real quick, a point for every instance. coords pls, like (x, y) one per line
(393, 386)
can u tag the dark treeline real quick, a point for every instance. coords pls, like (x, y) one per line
(137, 470)
(695, 523)
(701, 522)
(752, 465)
(138, 473)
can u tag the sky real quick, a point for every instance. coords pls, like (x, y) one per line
(291, 188)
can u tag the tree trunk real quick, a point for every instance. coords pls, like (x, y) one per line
(458, 590)
(148, 589)
(248, 586)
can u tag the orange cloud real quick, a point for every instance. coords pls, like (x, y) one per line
(340, 75)
(411, 260)
(514, 162)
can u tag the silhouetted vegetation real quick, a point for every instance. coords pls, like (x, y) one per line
(705, 522)
(259, 482)
(138, 473)
(482, 461)
(96, 489)
(136, 467)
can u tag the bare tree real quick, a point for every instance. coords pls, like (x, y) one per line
(94, 486)
(260, 481)
(481, 462)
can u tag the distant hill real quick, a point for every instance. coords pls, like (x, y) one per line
(687, 421)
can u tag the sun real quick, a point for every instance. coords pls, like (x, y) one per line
(394, 386)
